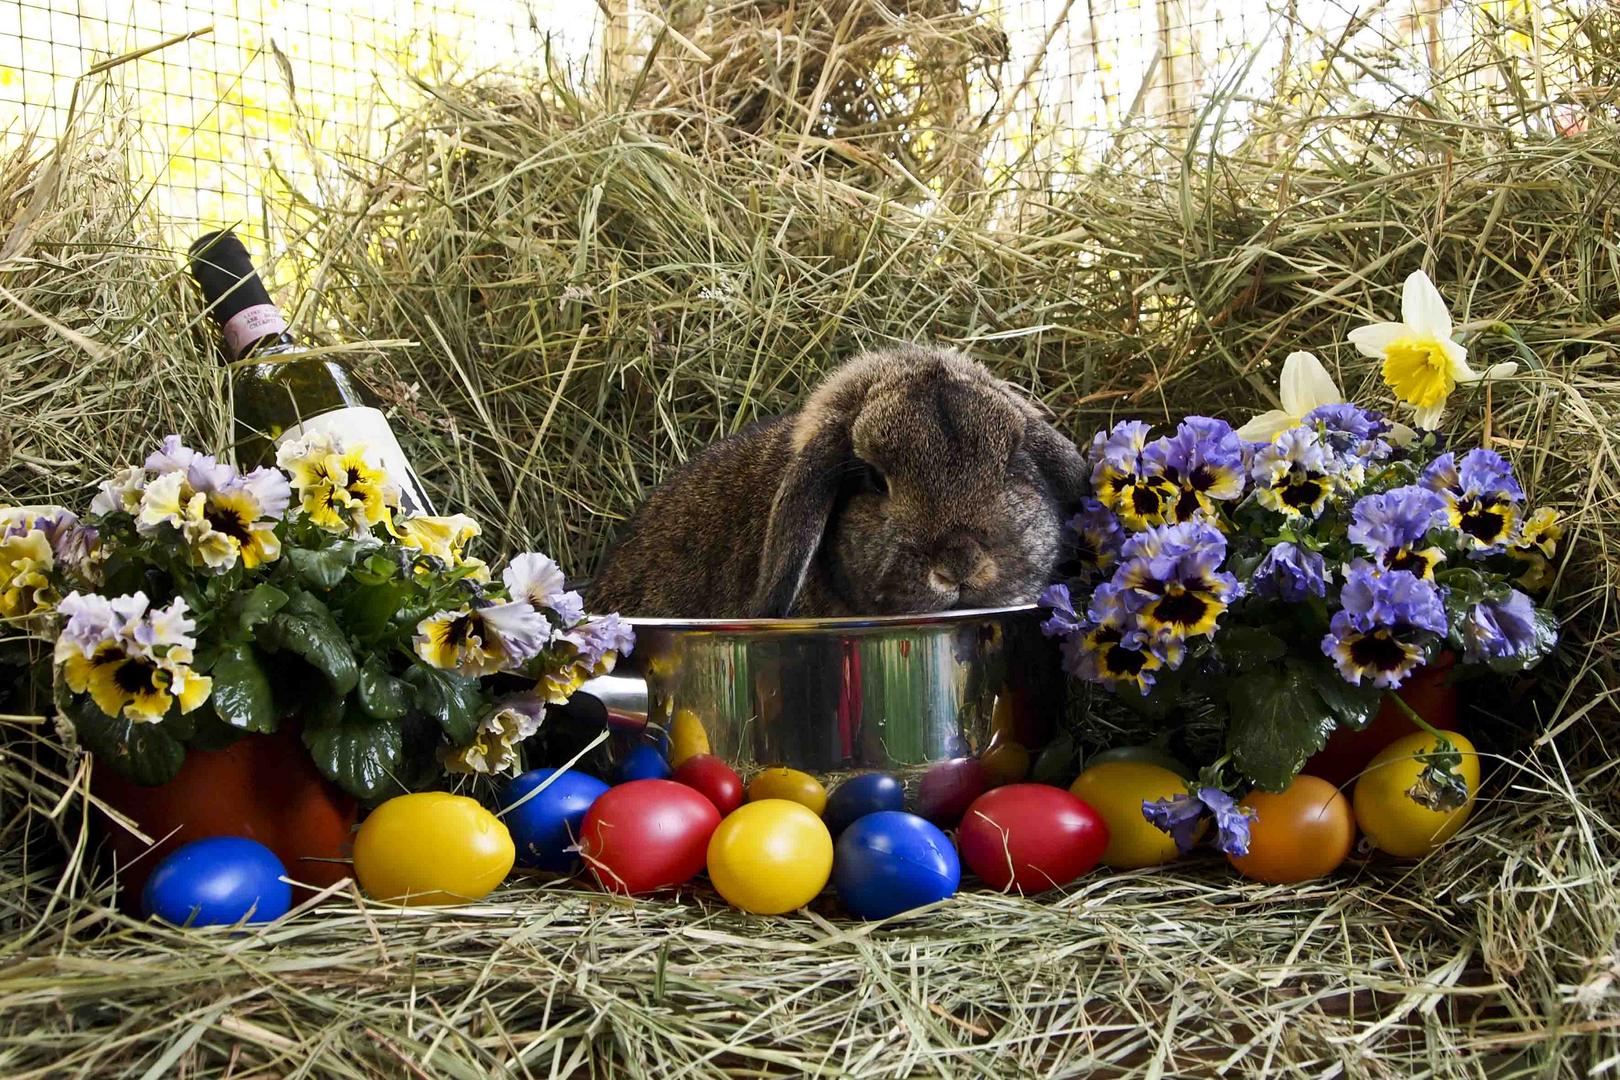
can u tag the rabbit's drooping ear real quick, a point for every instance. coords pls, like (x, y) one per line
(1059, 462)
(1061, 465)
(804, 501)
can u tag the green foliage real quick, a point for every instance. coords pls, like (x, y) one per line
(242, 696)
(1278, 720)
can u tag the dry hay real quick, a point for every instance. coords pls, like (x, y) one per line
(596, 292)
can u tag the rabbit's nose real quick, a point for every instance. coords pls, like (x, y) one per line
(967, 567)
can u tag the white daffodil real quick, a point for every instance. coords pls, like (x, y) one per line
(1422, 365)
(1305, 385)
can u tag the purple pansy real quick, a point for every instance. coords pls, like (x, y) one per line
(1099, 535)
(1388, 618)
(1351, 434)
(1181, 815)
(1290, 572)
(1499, 629)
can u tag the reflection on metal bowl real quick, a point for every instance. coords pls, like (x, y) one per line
(834, 695)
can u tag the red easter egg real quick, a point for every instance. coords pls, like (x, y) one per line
(647, 835)
(1031, 837)
(946, 790)
(718, 781)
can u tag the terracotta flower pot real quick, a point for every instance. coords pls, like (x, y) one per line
(263, 787)
(1430, 694)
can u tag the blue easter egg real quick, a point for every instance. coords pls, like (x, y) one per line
(218, 882)
(546, 826)
(868, 793)
(643, 762)
(889, 862)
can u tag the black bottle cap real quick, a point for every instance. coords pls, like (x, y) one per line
(225, 272)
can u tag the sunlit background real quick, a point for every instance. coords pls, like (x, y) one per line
(273, 96)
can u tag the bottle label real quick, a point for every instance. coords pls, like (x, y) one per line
(369, 427)
(250, 325)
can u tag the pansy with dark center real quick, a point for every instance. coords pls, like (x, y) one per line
(1110, 647)
(1128, 481)
(1482, 497)
(1388, 619)
(1204, 459)
(1291, 475)
(1391, 526)
(1179, 592)
(1098, 536)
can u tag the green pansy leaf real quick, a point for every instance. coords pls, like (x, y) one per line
(242, 696)
(370, 609)
(1352, 706)
(211, 732)
(1244, 648)
(455, 701)
(304, 602)
(1278, 721)
(318, 640)
(326, 566)
(258, 605)
(358, 754)
(382, 696)
(145, 753)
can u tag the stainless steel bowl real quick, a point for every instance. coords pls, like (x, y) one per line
(834, 695)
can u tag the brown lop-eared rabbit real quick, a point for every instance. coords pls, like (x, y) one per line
(911, 481)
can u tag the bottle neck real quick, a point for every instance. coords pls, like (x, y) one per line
(254, 330)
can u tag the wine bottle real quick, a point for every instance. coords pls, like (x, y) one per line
(285, 395)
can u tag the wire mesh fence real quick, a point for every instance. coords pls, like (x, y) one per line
(257, 100)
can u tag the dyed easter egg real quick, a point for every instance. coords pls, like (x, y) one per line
(949, 788)
(1005, 763)
(1298, 834)
(432, 848)
(789, 784)
(857, 796)
(647, 835)
(643, 762)
(219, 881)
(1117, 790)
(1031, 837)
(889, 862)
(770, 856)
(1394, 821)
(545, 825)
(718, 781)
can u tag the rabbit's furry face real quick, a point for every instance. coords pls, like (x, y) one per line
(919, 482)
(941, 507)
(912, 480)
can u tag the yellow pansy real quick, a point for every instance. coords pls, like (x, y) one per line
(494, 748)
(341, 490)
(26, 561)
(1422, 364)
(445, 538)
(1535, 546)
(218, 526)
(136, 687)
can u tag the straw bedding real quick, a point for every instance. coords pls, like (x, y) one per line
(595, 285)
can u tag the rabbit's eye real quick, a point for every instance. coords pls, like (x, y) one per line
(875, 480)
